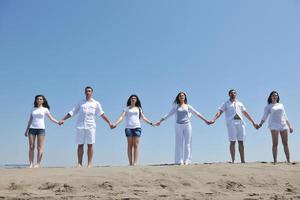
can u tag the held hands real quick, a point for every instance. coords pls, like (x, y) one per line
(256, 126)
(157, 123)
(209, 122)
(61, 122)
(112, 126)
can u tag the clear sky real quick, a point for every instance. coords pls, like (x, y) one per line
(153, 49)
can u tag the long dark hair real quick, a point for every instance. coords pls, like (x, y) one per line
(138, 103)
(270, 97)
(45, 104)
(176, 101)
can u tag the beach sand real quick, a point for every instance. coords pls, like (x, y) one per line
(251, 181)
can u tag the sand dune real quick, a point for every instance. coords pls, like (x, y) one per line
(252, 181)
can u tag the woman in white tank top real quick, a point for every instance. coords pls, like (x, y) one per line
(132, 114)
(278, 123)
(36, 128)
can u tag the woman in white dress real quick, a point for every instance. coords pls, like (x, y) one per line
(278, 124)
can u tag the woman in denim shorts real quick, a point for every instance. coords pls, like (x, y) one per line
(36, 128)
(132, 114)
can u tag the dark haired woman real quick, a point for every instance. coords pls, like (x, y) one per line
(36, 128)
(132, 114)
(278, 123)
(183, 128)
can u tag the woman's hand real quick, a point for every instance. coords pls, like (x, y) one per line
(291, 130)
(157, 123)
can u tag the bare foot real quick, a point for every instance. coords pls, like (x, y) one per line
(89, 166)
(78, 165)
(36, 166)
(31, 165)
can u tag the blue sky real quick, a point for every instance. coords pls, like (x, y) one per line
(153, 49)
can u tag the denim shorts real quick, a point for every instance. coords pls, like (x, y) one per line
(34, 131)
(133, 132)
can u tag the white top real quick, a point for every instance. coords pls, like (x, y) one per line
(182, 114)
(38, 117)
(231, 109)
(132, 117)
(276, 113)
(87, 112)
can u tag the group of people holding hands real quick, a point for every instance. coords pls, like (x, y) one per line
(88, 108)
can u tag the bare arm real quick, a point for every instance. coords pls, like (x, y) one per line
(121, 118)
(247, 115)
(105, 118)
(146, 119)
(52, 118)
(28, 125)
(64, 119)
(217, 115)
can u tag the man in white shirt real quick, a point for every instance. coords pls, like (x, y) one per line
(87, 111)
(234, 111)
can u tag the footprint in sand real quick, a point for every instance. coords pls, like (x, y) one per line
(163, 186)
(14, 186)
(48, 186)
(56, 187)
(290, 188)
(186, 184)
(106, 185)
(231, 186)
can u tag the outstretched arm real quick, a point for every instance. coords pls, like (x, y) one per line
(198, 114)
(247, 115)
(64, 119)
(107, 121)
(121, 118)
(52, 118)
(146, 119)
(172, 112)
(217, 115)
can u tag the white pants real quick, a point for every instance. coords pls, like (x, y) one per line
(183, 143)
(236, 130)
(86, 136)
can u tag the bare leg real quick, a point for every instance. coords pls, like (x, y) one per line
(136, 141)
(284, 139)
(80, 154)
(241, 150)
(40, 144)
(31, 140)
(129, 149)
(274, 144)
(90, 154)
(232, 151)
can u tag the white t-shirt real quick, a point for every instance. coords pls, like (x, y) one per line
(231, 109)
(132, 117)
(38, 117)
(277, 115)
(87, 112)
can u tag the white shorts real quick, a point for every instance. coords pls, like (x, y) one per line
(86, 136)
(236, 130)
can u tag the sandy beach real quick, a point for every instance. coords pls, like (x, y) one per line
(251, 181)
